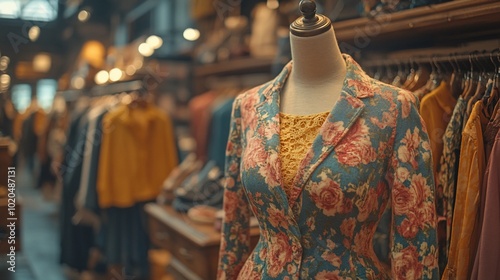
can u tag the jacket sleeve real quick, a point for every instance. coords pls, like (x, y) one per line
(235, 240)
(414, 250)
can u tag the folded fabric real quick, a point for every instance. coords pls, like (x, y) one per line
(203, 188)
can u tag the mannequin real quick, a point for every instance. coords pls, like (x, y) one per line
(317, 220)
(319, 69)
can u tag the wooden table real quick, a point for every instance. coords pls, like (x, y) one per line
(194, 246)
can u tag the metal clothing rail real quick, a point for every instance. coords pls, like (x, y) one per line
(116, 88)
(471, 57)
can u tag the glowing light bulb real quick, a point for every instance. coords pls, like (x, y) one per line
(154, 42)
(115, 74)
(146, 50)
(191, 34)
(101, 77)
(83, 16)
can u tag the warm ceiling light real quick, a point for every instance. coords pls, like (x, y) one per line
(78, 82)
(146, 50)
(191, 34)
(4, 80)
(101, 77)
(42, 63)
(83, 16)
(4, 63)
(130, 70)
(34, 33)
(273, 4)
(154, 42)
(115, 74)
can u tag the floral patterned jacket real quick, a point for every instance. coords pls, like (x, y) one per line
(373, 149)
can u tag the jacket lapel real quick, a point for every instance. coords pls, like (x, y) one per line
(343, 115)
(268, 130)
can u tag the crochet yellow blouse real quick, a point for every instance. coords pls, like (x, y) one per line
(296, 138)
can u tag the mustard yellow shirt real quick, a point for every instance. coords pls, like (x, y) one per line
(138, 152)
(296, 138)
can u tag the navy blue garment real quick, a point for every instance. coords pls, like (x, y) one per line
(219, 133)
(29, 141)
(76, 240)
(126, 240)
(91, 199)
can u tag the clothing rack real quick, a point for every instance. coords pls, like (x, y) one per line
(452, 57)
(70, 95)
(120, 87)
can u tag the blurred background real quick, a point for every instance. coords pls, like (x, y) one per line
(115, 114)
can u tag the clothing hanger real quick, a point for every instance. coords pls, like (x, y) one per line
(411, 75)
(379, 73)
(421, 77)
(389, 76)
(399, 79)
(491, 98)
(472, 82)
(455, 83)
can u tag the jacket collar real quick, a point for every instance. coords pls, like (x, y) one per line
(357, 85)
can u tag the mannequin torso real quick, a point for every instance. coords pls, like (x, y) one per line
(317, 76)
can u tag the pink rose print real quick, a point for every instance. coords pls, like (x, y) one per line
(271, 170)
(277, 217)
(362, 88)
(332, 132)
(328, 196)
(328, 275)
(279, 254)
(406, 264)
(406, 99)
(409, 227)
(362, 242)
(356, 147)
(255, 153)
(402, 200)
(230, 205)
(332, 258)
(249, 115)
(408, 151)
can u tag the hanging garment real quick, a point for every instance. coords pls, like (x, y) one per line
(76, 240)
(91, 152)
(372, 149)
(219, 132)
(200, 110)
(487, 263)
(470, 177)
(448, 174)
(86, 200)
(138, 151)
(125, 239)
(436, 110)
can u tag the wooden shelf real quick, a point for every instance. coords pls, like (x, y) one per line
(200, 234)
(456, 16)
(239, 66)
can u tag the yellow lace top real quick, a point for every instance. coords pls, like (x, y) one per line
(296, 138)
